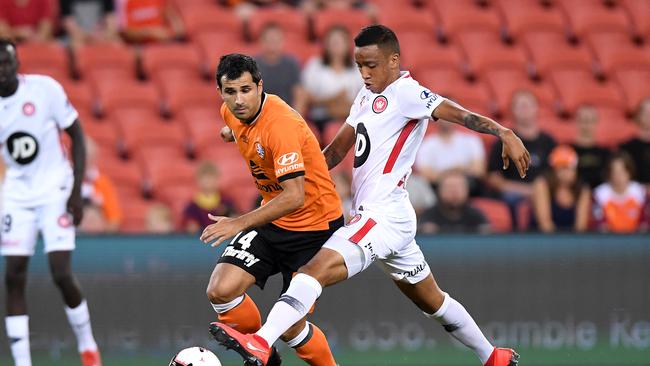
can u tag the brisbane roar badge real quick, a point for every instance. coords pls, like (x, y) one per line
(379, 104)
(260, 150)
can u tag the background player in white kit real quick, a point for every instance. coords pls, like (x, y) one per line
(40, 194)
(387, 121)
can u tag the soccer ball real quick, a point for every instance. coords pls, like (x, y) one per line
(195, 356)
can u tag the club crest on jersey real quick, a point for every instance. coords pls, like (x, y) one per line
(379, 104)
(260, 150)
(354, 219)
(29, 108)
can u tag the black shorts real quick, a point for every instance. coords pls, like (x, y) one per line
(269, 249)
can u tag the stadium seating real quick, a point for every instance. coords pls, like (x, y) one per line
(101, 56)
(351, 19)
(485, 52)
(523, 16)
(292, 22)
(586, 16)
(104, 133)
(416, 58)
(575, 87)
(79, 94)
(180, 92)
(125, 174)
(134, 216)
(504, 83)
(463, 15)
(615, 50)
(408, 20)
(212, 45)
(116, 93)
(634, 84)
(638, 11)
(160, 59)
(155, 162)
(202, 126)
(47, 58)
(451, 84)
(200, 19)
(613, 128)
(176, 196)
(497, 213)
(139, 127)
(549, 51)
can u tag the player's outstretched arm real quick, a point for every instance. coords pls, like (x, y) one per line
(513, 148)
(290, 199)
(75, 202)
(337, 149)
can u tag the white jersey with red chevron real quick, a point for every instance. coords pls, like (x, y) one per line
(389, 130)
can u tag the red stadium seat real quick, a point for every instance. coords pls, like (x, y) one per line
(103, 133)
(405, 20)
(417, 58)
(464, 15)
(575, 87)
(550, 51)
(79, 94)
(613, 128)
(202, 126)
(330, 131)
(635, 87)
(523, 16)
(638, 11)
(243, 196)
(134, 215)
(504, 83)
(497, 213)
(213, 45)
(563, 131)
(199, 19)
(614, 51)
(158, 59)
(94, 57)
(291, 21)
(125, 174)
(451, 84)
(351, 19)
(589, 15)
(303, 51)
(179, 94)
(140, 127)
(113, 94)
(177, 197)
(485, 52)
(164, 166)
(46, 58)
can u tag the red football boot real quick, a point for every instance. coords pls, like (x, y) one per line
(253, 348)
(503, 357)
(91, 358)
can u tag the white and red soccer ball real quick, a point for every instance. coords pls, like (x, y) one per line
(195, 356)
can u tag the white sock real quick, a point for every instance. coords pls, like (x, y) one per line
(301, 338)
(460, 325)
(79, 320)
(18, 334)
(292, 306)
(222, 308)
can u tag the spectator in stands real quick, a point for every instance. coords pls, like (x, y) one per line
(311, 6)
(281, 71)
(149, 21)
(639, 147)
(343, 185)
(94, 221)
(560, 199)
(450, 149)
(159, 220)
(331, 80)
(99, 191)
(208, 200)
(26, 20)
(507, 183)
(591, 157)
(621, 205)
(246, 8)
(453, 213)
(88, 21)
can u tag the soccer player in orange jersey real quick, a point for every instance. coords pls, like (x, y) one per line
(299, 212)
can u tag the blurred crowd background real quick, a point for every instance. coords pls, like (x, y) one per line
(571, 77)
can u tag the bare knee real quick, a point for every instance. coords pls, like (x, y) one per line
(327, 267)
(221, 292)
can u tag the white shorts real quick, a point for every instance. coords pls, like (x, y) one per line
(370, 236)
(21, 225)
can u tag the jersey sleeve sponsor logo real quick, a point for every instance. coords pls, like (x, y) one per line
(29, 108)
(379, 104)
(288, 158)
(260, 150)
(23, 147)
(426, 94)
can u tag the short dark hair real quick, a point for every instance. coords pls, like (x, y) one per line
(626, 159)
(234, 65)
(379, 35)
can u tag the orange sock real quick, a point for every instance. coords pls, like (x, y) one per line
(244, 317)
(314, 349)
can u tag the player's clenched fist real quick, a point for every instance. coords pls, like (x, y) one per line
(226, 134)
(222, 229)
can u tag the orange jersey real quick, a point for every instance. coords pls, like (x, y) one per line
(136, 14)
(278, 145)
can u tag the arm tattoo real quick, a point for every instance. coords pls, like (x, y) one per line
(480, 124)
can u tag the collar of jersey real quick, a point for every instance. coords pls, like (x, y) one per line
(259, 112)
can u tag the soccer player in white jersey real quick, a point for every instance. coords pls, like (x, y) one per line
(386, 125)
(41, 193)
